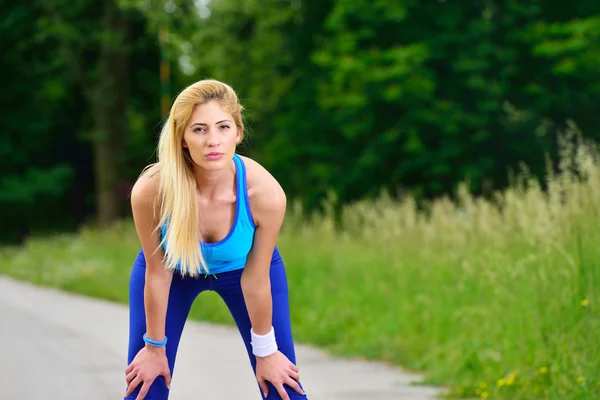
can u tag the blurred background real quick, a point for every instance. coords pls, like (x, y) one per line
(439, 157)
(341, 96)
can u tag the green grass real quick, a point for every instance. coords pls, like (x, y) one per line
(493, 303)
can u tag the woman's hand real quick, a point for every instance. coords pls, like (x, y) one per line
(149, 363)
(278, 370)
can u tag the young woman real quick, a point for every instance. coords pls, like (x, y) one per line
(208, 219)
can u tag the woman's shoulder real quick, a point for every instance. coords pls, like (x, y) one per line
(264, 191)
(146, 187)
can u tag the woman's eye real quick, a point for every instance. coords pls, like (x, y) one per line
(225, 126)
(198, 129)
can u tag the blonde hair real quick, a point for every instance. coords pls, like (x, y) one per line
(177, 189)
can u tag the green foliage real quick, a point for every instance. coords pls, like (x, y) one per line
(36, 176)
(45, 154)
(27, 189)
(394, 102)
(341, 96)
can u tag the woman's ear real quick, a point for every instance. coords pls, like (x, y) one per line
(184, 144)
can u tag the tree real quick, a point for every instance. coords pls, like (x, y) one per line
(96, 53)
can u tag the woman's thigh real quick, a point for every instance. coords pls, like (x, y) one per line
(228, 287)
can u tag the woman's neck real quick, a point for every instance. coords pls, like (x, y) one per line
(211, 183)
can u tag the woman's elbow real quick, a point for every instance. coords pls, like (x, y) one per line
(255, 282)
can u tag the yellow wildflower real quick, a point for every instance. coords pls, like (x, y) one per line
(543, 370)
(585, 303)
(485, 395)
(580, 379)
(501, 382)
(511, 378)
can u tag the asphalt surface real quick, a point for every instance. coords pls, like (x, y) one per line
(56, 345)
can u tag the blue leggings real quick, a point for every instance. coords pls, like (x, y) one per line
(183, 293)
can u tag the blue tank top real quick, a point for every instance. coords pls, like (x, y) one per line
(231, 252)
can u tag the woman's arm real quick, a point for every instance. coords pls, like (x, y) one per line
(268, 209)
(158, 279)
(268, 202)
(150, 361)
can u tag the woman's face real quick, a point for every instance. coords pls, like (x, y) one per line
(211, 136)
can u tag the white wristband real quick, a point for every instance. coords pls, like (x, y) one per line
(263, 345)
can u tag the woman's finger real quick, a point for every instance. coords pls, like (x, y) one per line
(129, 368)
(129, 377)
(281, 390)
(294, 375)
(263, 385)
(294, 385)
(134, 384)
(144, 390)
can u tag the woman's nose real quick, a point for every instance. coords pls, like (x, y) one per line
(213, 139)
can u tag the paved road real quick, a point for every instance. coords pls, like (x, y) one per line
(56, 345)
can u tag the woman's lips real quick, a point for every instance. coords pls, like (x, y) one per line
(214, 156)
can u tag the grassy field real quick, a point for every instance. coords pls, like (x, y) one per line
(496, 300)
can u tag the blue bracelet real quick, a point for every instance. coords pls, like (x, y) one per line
(155, 343)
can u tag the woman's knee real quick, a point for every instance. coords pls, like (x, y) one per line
(293, 395)
(158, 391)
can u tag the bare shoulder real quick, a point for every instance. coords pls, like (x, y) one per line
(145, 189)
(265, 194)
